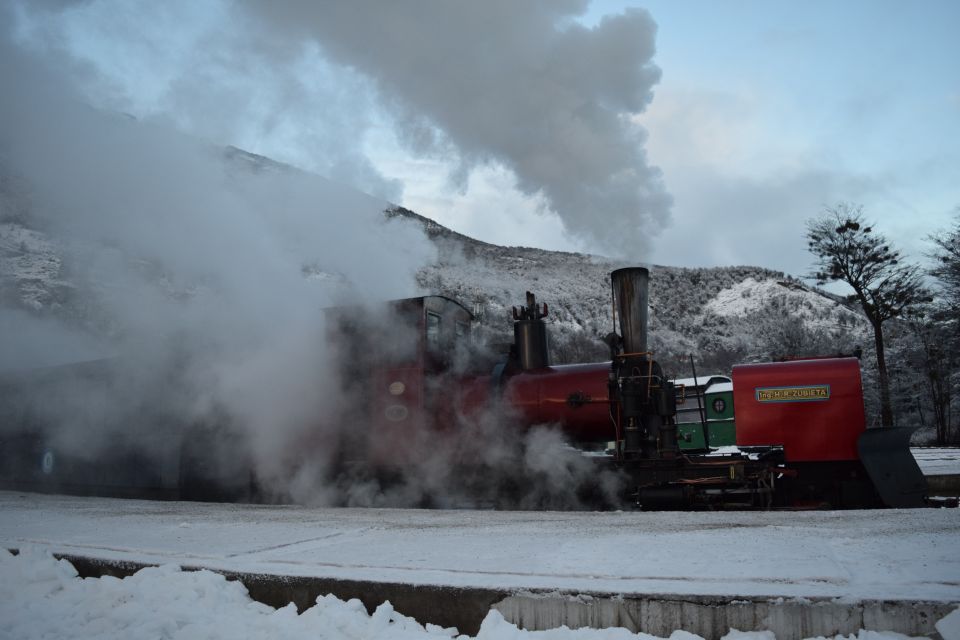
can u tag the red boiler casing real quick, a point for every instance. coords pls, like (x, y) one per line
(814, 408)
(573, 396)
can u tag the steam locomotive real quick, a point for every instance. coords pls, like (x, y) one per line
(801, 433)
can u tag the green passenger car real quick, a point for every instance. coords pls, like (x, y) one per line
(718, 427)
(720, 420)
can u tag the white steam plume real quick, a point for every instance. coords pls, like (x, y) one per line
(518, 83)
(197, 266)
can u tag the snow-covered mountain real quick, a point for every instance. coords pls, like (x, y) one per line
(722, 314)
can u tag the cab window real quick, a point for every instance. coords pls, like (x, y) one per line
(433, 330)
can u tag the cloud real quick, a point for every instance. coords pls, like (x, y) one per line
(743, 192)
(758, 221)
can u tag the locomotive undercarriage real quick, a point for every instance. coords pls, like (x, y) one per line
(741, 481)
(701, 482)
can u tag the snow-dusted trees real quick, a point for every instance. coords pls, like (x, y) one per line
(931, 352)
(946, 269)
(847, 250)
(938, 335)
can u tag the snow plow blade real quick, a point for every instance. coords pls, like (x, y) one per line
(885, 454)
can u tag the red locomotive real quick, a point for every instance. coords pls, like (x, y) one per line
(412, 382)
(801, 428)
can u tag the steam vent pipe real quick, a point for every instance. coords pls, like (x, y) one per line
(631, 292)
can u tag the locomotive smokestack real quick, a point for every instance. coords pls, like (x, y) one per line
(530, 334)
(631, 288)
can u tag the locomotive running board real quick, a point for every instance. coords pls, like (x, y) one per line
(885, 454)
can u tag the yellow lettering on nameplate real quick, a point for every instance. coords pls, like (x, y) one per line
(793, 394)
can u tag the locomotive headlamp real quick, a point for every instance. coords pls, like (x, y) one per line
(397, 388)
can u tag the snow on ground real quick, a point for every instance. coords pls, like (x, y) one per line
(890, 554)
(937, 461)
(41, 597)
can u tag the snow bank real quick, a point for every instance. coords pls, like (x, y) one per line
(41, 597)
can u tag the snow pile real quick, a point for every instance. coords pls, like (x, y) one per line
(41, 597)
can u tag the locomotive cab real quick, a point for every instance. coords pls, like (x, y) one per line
(401, 358)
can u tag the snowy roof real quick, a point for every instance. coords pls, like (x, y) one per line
(702, 381)
(720, 387)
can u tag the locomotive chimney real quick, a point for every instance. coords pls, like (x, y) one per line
(631, 294)
(530, 334)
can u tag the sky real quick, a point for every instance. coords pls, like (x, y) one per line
(767, 112)
(687, 134)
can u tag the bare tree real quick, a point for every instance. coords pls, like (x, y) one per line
(848, 250)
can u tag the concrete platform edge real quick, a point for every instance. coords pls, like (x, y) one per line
(710, 617)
